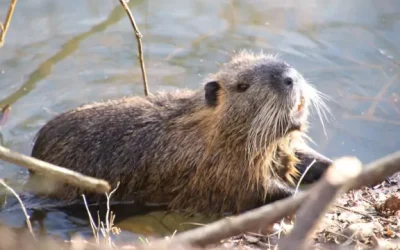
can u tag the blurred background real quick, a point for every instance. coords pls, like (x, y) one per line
(61, 54)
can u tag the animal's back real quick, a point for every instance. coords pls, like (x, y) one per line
(117, 141)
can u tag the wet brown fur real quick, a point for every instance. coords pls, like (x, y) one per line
(171, 148)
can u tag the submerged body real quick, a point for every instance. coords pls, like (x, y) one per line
(233, 145)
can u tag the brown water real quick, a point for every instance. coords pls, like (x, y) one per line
(61, 54)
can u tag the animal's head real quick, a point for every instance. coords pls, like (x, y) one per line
(269, 94)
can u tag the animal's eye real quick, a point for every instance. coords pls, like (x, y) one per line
(241, 87)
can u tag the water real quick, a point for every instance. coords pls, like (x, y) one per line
(61, 54)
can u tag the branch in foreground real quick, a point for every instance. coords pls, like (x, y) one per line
(4, 27)
(140, 47)
(65, 175)
(324, 192)
(377, 171)
(228, 227)
(235, 225)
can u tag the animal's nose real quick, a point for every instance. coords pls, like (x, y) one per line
(288, 81)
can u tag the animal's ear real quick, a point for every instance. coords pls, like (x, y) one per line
(211, 93)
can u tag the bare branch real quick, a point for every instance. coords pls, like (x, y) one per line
(109, 220)
(4, 27)
(65, 175)
(377, 171)
(140, 47)
(95, 229)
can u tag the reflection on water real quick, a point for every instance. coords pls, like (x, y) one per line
(59, 55)
(162, 223)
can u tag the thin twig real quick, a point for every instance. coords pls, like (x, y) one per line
(4, 27)
(65, 175)
(98, 224)
(92, 224)
(28, 222)
(109, 221)
(302, 176)
(140, 47)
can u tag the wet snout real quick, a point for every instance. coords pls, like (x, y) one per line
(290, 77)
(296, 85)
(288, 81)
(284, 78)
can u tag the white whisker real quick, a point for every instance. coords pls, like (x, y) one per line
(318, 104)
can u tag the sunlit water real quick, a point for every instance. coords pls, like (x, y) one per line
(61, 54)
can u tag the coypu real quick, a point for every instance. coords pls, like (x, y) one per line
(231, 146)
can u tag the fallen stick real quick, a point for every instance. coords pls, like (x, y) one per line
(65, 175)
(271, 213)
(377, 171)
(140, 46)
(324, 192)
